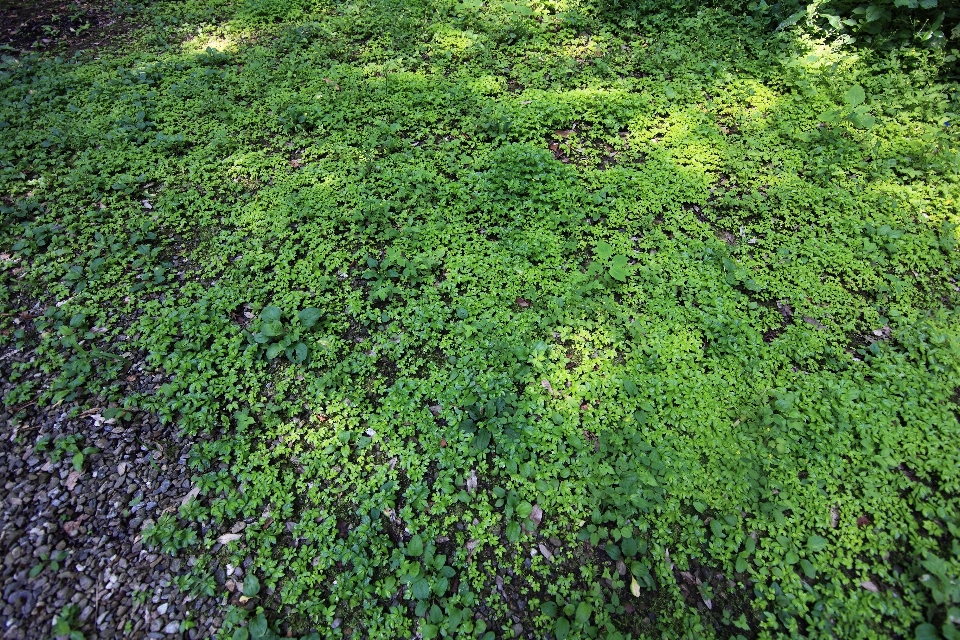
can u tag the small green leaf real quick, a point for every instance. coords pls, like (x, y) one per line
(808, 569)
(629, 546)
(78, 461)
(274, 350)
(513, 532)
(35, 571)
(561, 628)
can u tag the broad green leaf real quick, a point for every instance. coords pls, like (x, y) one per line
(415, 546)
(816, 543)
(524, 509)
(629, 547)
(429, 631)
(583, 613)
(741, 564)
(421, 589)
(272, 329)
(862, 120)
(513, 531)
(258, 627)
(270, 314)
(926, 631)
(274, 350)
(251, 585)
(300, 351)
(716, 527)
(854, 96)
(309, 316)
(561, 628)
(603, 251)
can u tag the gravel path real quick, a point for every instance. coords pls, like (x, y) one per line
(92, 522)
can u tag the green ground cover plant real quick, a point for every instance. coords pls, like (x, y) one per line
(512, 318)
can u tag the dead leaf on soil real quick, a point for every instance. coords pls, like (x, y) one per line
(545, 550)
(536, 515)
(229, 537)
(72, 480)
(472, 482)
(193, 493)
(869, 586)
(71, 528)
(635, 587)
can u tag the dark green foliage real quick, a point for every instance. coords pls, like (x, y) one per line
(632, 323)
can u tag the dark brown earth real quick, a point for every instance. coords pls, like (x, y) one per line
(62, 26)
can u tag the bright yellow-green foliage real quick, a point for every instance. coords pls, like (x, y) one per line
(514, 316)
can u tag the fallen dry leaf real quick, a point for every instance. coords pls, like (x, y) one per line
(536, 515)
(229, 537)
(72, 480)
(635, 587)
(869, 586)
(545, 550)
(472, 482)
(190, 496)
(71, 528)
